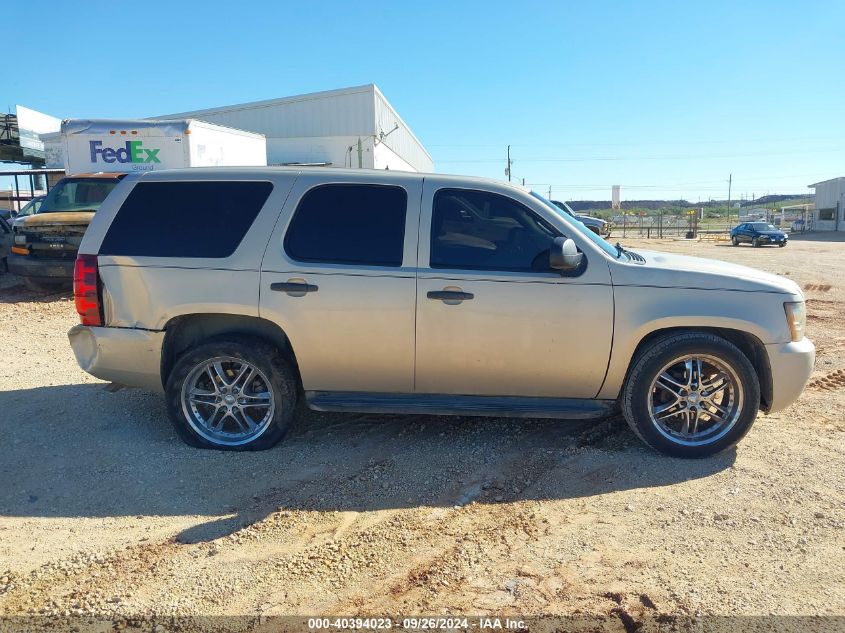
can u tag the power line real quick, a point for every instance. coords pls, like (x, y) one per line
(624, 158)
(769, 140)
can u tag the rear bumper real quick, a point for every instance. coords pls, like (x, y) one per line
(791, 365)
(55, 269)
(123, 355)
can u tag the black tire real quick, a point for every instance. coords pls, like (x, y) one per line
(735, 241)
(281, 376)
(782, 244)
(644, 369)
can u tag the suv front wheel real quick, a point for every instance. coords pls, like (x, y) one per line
(691, 395)
(232, 394)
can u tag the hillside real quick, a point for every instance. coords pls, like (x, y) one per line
(674, 205)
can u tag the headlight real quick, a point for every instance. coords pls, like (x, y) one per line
(20, 239)
(796, 318)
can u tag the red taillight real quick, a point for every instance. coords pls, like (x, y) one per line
(86, 292)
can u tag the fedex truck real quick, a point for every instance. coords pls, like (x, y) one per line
(96, 154)
(126, 146)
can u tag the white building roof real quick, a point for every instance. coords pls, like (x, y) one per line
(824, 182)
(359, 111)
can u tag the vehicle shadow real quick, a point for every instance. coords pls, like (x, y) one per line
(13, 290)
(79, 451)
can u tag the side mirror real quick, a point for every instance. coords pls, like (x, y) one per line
(564, 255)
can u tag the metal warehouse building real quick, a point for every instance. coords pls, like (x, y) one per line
(830, 205)
(350, 127)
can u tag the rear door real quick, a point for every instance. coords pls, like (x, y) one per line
(339, 278)
(492, 318)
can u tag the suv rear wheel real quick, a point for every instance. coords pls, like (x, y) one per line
(691, 395)
(232, 394)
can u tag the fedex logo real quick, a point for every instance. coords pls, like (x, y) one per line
(132, 152)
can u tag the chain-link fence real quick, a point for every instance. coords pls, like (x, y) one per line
(664, 225)
(658, 225)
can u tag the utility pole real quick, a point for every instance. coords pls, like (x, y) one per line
(509, 163)
(550, 192)
(730, 181)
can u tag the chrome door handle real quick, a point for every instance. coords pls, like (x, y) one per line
(450, 295)
(297, 288)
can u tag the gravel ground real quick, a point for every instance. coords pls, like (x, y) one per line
(104, 513)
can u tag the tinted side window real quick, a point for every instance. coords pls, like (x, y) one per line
(185, 219)
(349, 224)
(486, 231)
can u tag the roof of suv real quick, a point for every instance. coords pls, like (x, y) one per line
(330, 172)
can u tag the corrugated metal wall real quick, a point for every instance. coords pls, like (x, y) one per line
(828, 194)
(402, 141)
(360, 111)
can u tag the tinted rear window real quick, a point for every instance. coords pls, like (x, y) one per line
(349, 224)
(185, 219)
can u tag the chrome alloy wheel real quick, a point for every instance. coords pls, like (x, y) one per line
(695, 399)
(227, 401)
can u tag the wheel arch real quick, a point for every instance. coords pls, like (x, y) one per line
(751, 346)
(187, 331)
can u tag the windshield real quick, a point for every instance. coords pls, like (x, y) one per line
(31, 207)
(77, 194)
(762, 226)
(601, 243)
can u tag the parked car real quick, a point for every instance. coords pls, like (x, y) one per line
(238, 292)
(596, 225)
(30, 208)
(758, 234)
(46, 242)
(5, 244)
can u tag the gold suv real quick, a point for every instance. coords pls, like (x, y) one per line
(238, 292)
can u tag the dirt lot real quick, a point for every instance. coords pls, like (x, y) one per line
(103, 511)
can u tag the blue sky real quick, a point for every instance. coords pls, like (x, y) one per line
(664, 98)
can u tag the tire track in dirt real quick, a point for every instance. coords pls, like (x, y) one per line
(831, 382)
(96, 583)
(490, 518)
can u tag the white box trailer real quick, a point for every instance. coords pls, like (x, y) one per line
(125, 145)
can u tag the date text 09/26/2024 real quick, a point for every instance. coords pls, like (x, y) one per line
(416, 623)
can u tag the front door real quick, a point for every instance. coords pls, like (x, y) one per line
(338, 277)
(492, 317)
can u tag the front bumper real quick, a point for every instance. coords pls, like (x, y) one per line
(126, 356)
(38, 268)
(791, 365)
